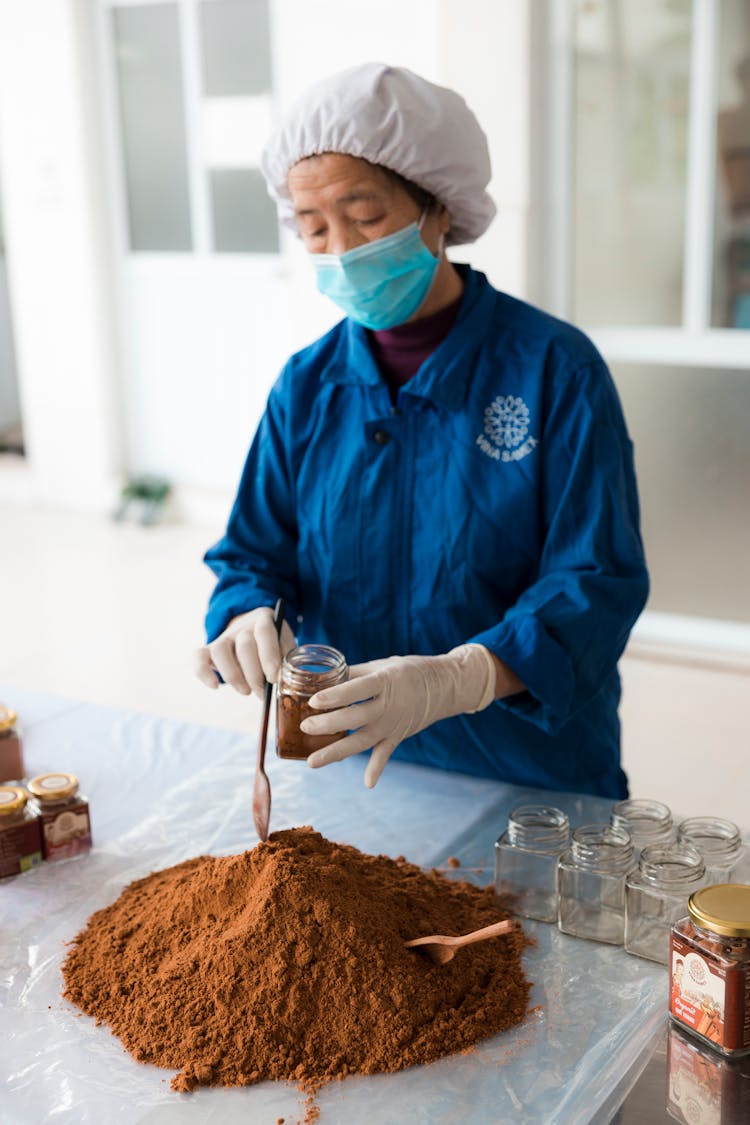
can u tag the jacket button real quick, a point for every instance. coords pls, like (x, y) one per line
(382, 437)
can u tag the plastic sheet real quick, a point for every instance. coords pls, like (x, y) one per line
(161, 792)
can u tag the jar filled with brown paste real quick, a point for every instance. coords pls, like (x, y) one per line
(710, 968)
(20, 834)
(11, 754)
(64, 812)
(305, 670)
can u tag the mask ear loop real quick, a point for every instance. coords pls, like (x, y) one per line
(441, 237)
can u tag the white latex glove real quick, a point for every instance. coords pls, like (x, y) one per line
(246, 654)
(385, 701)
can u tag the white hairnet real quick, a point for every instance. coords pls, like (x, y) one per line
(391, 117)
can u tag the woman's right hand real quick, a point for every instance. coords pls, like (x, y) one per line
(247, 654)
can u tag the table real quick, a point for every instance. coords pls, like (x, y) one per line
(162, 791)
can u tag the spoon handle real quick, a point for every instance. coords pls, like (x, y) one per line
(497, 928)
(494, 930)
(261, 784)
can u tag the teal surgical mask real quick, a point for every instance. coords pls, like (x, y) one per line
(382, 283)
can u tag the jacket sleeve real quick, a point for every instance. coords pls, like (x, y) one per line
(255, 561)
(565, 634)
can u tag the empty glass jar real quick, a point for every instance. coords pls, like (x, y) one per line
(648, 822)
(591, 883)
(526, 858)
(657, 894)
(720, 844)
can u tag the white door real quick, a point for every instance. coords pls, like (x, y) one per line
(202, 297)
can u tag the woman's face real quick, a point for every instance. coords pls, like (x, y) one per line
(344, 201)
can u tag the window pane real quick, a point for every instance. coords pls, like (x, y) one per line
(244, 216)
(631, 68)
(153, 126)
(235, 39)
(690, 427)
(731, 294)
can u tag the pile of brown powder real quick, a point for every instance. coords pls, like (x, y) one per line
(288, 962)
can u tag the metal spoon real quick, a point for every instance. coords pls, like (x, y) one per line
(442, 949)
(261, 784)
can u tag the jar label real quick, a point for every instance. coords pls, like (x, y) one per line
(66, 833)
(710, 998)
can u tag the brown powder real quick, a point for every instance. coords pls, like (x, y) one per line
(288, 962)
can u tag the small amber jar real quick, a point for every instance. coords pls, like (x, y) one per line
(305, 670)
(11, 750)
(20, 833)
(709, 956)
(64, 812)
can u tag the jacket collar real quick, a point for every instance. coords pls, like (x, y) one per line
(443, 377)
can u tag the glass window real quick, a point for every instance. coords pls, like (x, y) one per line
(731, 290)
(153, 126)
(690, 427)
(631, 81)
(244, 216)
(235, 38)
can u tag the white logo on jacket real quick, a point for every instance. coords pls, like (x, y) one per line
(506, 426)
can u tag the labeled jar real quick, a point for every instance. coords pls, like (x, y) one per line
(11, 750)
(719, 842)
(20, 833)
(526, 858)
(591, 883)
(656, 896)
(305, 670)
(64, 813)
(709, 956)
(648, 822)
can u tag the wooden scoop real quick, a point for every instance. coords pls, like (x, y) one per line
(442, 949)
(261, 784)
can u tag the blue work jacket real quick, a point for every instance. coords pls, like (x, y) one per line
(495, 502)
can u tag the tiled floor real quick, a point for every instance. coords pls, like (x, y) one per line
(112, 612)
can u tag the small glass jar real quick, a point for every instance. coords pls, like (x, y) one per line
(648, 822)
(20, 833)
(591, 883)
(656, 895)
(64, 813)
(709, 955)
(719, 842)
(304, 671)
(526, 858)
(11, 750)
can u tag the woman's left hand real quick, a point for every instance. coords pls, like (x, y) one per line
(385, 701)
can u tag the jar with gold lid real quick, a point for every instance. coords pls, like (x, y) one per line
(20, 833)
(709, 957)
(11, 751)
(305, 670)
(64, 813)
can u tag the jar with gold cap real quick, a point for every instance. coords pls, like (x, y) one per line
(64, 813)
(11, 754)
(20, 833)
(709, 958)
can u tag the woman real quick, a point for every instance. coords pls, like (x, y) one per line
(441, 486)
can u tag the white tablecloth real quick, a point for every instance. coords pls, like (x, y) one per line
(162, 791)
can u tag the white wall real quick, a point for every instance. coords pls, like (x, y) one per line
(57, 229)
